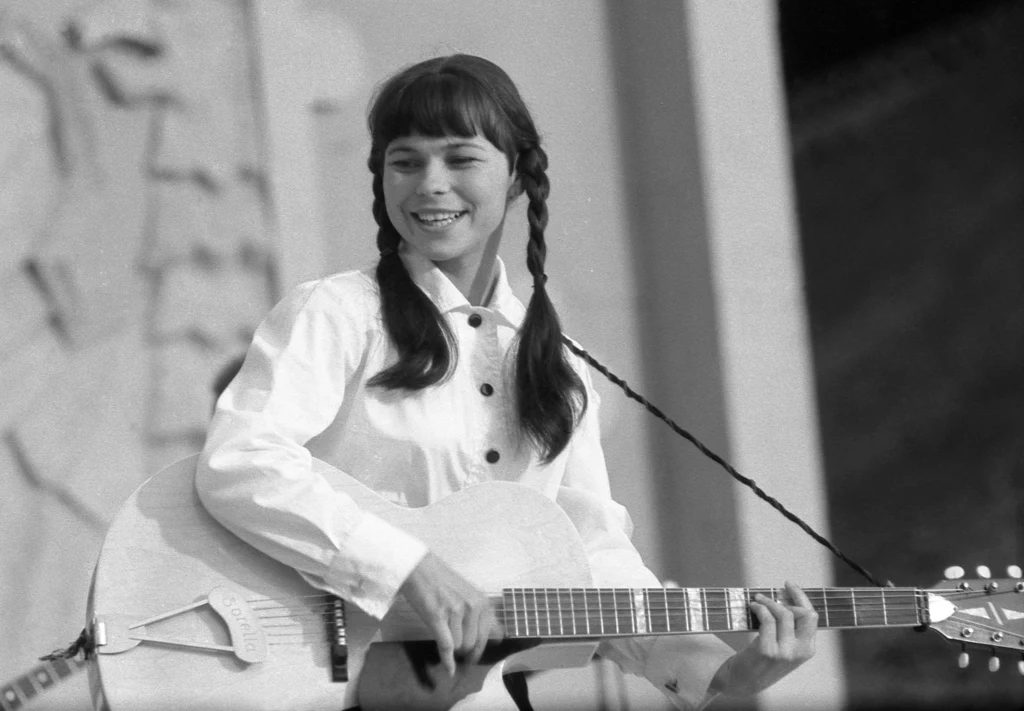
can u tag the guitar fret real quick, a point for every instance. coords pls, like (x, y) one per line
(538, 600)
(515, 613)
(629, 609)
(572, 610)
(706, 609)
(538, 615)
(561, 627)
(600, 610)
(526, 614)
(547, 611)
(586, 611)
(614, 608)
(853, 600)
(668, 617)
(624, 604)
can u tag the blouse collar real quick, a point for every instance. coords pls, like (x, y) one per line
(447, 297)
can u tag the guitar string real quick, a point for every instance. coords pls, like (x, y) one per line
(327, 600)
(264, 603)
(837, 617)
(652, 607)
(531, 627)
(858, 615)
(889, 601)
(657, 603)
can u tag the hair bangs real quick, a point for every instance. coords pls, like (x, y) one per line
(439, 104)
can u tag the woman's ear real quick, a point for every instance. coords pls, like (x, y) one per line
(515, 190)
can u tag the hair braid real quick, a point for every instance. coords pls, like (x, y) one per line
(534, 180)
(425, 343)
(551, 397)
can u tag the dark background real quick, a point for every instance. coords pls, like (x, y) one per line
(907, 121)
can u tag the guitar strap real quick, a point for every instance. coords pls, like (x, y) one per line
(634, 395)
(515, 683)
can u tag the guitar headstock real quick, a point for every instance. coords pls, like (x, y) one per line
(989, 612)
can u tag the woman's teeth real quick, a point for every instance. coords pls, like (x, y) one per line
(440, 219)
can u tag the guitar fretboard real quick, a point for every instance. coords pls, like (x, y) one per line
(14, 695)
(608, 612)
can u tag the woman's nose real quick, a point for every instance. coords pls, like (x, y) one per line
(435, 179)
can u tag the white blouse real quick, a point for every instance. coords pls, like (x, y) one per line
(302, 393)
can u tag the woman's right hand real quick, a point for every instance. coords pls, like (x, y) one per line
(460, 616)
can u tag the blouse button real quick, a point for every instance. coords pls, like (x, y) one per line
(487, 389)
(492, 456)
(475, 320)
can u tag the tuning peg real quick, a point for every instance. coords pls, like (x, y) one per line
(983, 571)
(964, 660)
(1020, 667)
(993, 663)
(1013, 571)
(953, 572)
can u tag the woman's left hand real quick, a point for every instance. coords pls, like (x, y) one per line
(784, 641)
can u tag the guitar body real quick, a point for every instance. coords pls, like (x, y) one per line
(164, 554)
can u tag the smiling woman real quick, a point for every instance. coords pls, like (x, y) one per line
(425, 376)
(448, 198)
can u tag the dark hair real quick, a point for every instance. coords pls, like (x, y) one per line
(463, 95)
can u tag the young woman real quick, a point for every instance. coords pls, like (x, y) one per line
(427, 375)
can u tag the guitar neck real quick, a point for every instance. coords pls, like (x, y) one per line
(26, 687)
(610, 612)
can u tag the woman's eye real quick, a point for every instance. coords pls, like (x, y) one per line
(461, 160)
(403, 164)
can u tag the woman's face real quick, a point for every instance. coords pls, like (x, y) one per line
(447, 197)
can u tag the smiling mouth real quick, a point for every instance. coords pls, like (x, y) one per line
(438, 219)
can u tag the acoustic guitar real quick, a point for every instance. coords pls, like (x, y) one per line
(185, 615)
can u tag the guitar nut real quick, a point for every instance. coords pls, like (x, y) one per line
(966, 631)
(997, 636)
(1019, 587)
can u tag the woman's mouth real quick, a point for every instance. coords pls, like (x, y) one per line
(438, 220)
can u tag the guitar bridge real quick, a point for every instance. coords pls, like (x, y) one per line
(337, 639)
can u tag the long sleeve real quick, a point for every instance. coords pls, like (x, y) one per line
(681, 667)
(255, 474)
